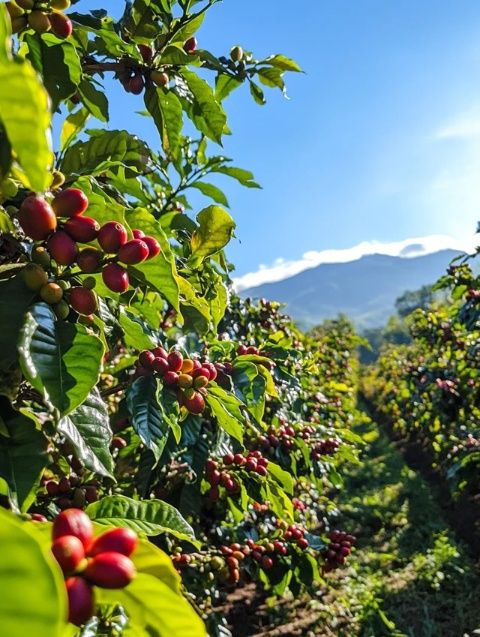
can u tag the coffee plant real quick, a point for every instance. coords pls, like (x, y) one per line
(428, 390)
(161, 440)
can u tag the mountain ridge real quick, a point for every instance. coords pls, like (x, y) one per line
(364, 289)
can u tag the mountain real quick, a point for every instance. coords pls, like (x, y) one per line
(365, 290)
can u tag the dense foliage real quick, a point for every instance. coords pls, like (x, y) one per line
(428, 389)
(136, 390)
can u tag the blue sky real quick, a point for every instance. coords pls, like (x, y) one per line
(380, 139)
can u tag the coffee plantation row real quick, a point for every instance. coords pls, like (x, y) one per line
(161, 441)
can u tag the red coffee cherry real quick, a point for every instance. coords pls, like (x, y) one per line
(190, 45)
(175, 361)
(115, 278)
(196, 404)
(119, 540)
(110, 570)
(267, 562)
(69, 552)
(70, 203)
(212, 370)
(81, 603)
(159, 78)
(138, 234)
(153, 246)
(135, 84)
(73, 522)
(61, 25)
(160, 365)
(83, 300)
(170, 378)
(160, 352)
(89, 259)
(83, 229)
(146, 359)
(112, 236)
(132, 252)
(62, 248)
(146, 52)
(37, 218)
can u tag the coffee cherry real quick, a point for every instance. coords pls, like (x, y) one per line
(59, 5)
(70, 203)
(200, 381)
(73, 522)
(159, 78)
(138, 234)
(303, 543)
(112, 236)
(51, 293)
(38, 21)
(135, 84)
(61, 26)
(89, 259)
(83, 300)
(36, 218)
(119, 540)
(81, 602)
(175, 361)
(40, 256)
(170, 378)
(38, 517)
(132, 252)
(64, 485)
(196, 404)
(115, 278)
(69, 552)
(62, 248)
(236, 53)
(185, 381)
(160, 352)
(83, 229)
(211, 369)
(146, 359)
(228, 458)
(34, 277)
(153, 246)
(187, 366)
(190, 45)
(267, 562)
(146, 52)
(160, 366)
(110, 570)
(26, 5)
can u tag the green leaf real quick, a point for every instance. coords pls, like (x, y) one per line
(103, 151)
(136, 333)
(244, 177)
(151, 517)
(141, 18)
(166, 110)
(284, 63)
(61, 360)
(58, 64)
(205, 112)
(72, 126)
(224, 85)
(15, 298)
(215, 230)
(153, 606)
(5, 33)
(257, 94)
(25, 114)
(283, 477)
(88, 429)
(147, 415)
(227, 410)
(94, 100)
(23, 455)
(33, 599)
(209, 190)
(271, 77)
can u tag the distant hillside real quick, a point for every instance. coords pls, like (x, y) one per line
(365, 289)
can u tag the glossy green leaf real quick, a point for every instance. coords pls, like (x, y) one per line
(226, 409)
(147, 415)
(25, 114)
(224, 85)
(103, 151)
(151, 517)
(284, 63)
(166, 110)
(33, 599)
(209, 190)
(72, 126)
(94, 99)
(23, 454)
(15, 298)
(215, 230)
(244, 177)
(152, 605)
(61, 360)
(136, 333)
(88, 429)
(206, 112)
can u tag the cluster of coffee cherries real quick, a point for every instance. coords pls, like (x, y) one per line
(326, 447)
(339, 548)
(62, 225)
(134, 78)
(295, 533)
(189, 377)
(88, 561)
(71, 491)
(219, 472)
(41, 16)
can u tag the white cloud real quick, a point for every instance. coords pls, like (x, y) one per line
(465, 127)
(282, 269)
